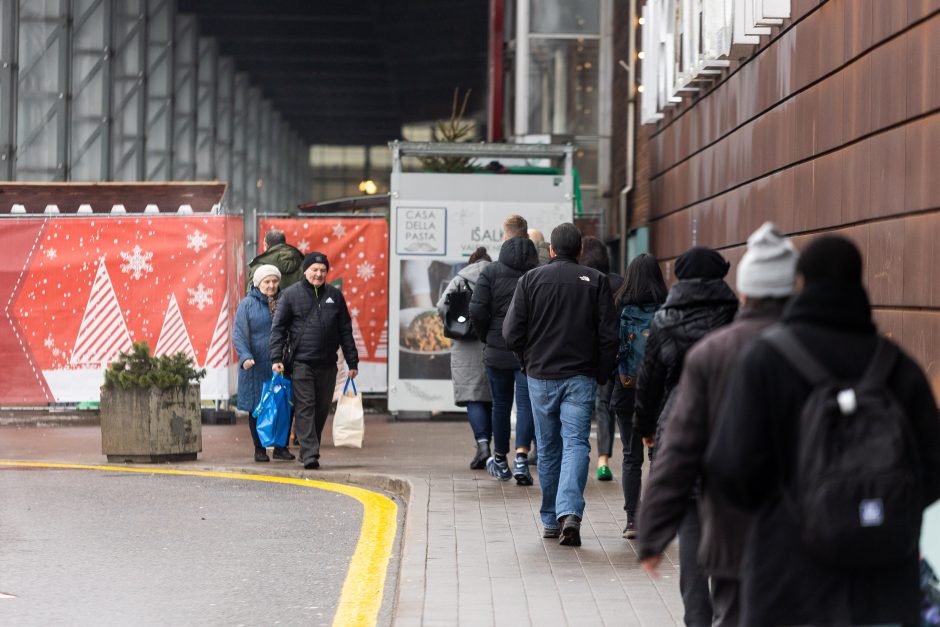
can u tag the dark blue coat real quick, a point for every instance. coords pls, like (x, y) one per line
(251, 337)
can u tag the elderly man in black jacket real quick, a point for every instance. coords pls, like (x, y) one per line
(699, 303)
(765, 281)
(562, 322)
(313, 317)
(751, 458)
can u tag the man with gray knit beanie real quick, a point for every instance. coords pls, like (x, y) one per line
(765, 280)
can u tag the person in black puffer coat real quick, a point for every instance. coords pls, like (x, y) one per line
(488, 306)
(699, 302)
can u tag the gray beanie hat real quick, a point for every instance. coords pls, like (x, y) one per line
(263, 272)
(768, 268)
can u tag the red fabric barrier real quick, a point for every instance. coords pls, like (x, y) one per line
(89, 288)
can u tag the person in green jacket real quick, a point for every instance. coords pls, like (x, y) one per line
(278, 253)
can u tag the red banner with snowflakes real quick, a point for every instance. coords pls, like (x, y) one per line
(358, 252)
(83, 289)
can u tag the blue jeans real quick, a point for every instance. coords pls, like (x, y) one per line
(562, 409)
(480, 415)
(503, 382)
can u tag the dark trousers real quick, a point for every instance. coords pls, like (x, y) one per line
(253, 427)
(504, 384)
(726, 602)
(632, 463)
(605, 420)
(313, 393)
(693, 584)
(480, 415)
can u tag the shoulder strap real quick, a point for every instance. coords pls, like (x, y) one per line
(786, 343)
(881, 364)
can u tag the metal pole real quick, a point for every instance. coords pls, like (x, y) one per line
(494, 118)
(160, 68)
(9, 27)
(184, 101)
(522, 69)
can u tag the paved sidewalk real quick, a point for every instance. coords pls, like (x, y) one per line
(472, 552)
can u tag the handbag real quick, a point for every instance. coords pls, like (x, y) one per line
(273, 412)
(349, 419)
(456, 312)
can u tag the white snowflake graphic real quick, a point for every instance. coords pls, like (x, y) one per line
(199, 296)
(197, 241)
(49, 342)
(138, 262)
(303, 246)
(365, 270)
(354, 313)
(50, 253)
(339, 230)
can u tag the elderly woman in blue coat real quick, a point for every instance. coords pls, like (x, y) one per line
(252, 333)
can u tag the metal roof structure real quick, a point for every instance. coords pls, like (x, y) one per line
(352, 72)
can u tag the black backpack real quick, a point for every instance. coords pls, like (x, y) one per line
(456, 316)
(856, 490)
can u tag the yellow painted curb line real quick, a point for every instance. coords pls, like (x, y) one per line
(361, 597)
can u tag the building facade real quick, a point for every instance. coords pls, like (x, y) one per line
(829, 122)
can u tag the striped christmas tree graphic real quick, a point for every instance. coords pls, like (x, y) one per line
(173, 336)
(220, 348)
(103, 332)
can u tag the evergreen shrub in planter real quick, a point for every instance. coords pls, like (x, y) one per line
(150, 408)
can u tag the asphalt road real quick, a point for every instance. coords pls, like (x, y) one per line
(84, 547)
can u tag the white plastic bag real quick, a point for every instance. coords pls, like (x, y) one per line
(349, 419)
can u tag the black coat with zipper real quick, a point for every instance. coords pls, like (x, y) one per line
(562, 322)
(491, 298)
(693, 308)
(316, 321)
(751, 457)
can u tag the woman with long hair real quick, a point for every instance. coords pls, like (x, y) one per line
(643, 291)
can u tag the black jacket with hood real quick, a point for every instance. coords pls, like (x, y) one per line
(752, 455)
(492, 296)
(693, 308)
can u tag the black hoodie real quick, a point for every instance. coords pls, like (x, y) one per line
(492, 296)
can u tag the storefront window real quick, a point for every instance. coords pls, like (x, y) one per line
(568, 17)
(563, 86)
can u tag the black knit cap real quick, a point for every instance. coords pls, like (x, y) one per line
(315, 257)
(830, 257)
(700, 262)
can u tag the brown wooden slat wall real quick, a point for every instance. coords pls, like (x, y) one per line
(832, 126)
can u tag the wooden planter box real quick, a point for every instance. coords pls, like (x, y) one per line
(150, 424)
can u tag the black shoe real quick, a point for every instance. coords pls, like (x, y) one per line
(570, 531)
(261, 455)
(312, 465)
(551, 532)
(629, 532)
(281, 452)
(483, 453)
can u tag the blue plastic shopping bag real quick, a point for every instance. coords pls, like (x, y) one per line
(273, 412)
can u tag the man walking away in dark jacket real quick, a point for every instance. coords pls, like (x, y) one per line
(765, 280)
(698, 303)
(562, 322)
(313, 316)
(488, 306)
(595, 255)
(281, 255)
(751, 459)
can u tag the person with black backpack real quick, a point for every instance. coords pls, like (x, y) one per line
(641, 294)
(830, 434)
(471, 386)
